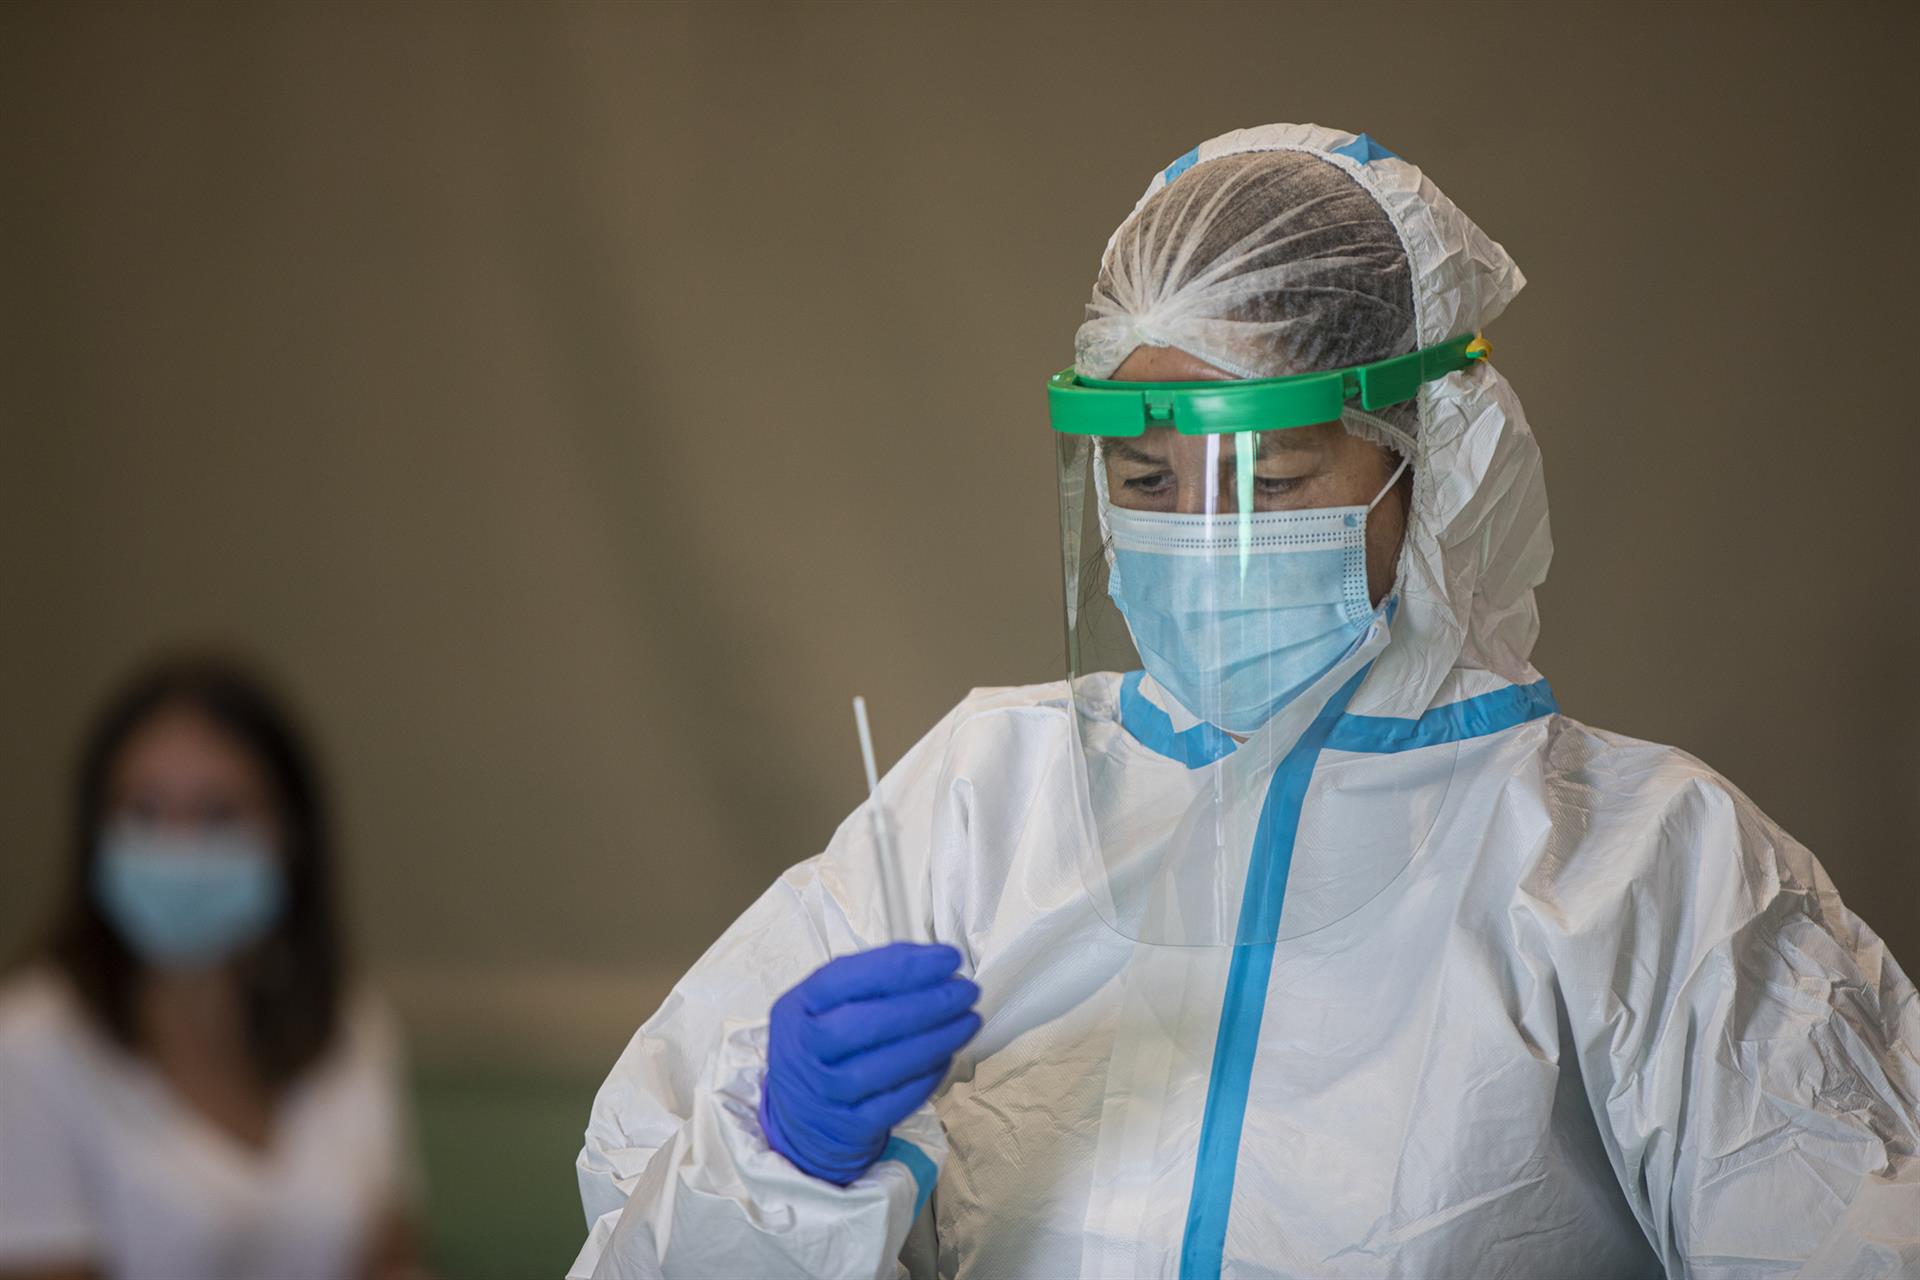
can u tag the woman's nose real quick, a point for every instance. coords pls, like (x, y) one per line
(1197, 494)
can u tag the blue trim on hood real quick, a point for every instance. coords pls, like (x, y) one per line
(1363, 149)
(1181, 165)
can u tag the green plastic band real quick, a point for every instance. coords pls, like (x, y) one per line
(1097, 407)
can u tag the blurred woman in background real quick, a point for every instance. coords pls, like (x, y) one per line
(188, 1088)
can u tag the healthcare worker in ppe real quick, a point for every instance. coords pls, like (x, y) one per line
(1295, 932)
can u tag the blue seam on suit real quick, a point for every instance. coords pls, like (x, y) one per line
(1203, 1248)
(1236, 1044)
(925, 1174)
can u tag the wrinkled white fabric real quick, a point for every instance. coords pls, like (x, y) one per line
(1595, 1015)
(104, 1166)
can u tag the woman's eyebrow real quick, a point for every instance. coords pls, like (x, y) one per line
(1130, 452)
(1287, 440)
(1293, 440)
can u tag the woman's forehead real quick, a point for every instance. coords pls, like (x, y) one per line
(1161, 444)
(183, 743)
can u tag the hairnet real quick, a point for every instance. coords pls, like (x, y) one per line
(1263, 263)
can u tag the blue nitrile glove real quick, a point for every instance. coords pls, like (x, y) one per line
(855, 1048)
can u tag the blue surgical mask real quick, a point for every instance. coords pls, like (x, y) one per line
(1235, 616)
(181, 900)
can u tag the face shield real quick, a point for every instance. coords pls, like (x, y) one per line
(1215, 597)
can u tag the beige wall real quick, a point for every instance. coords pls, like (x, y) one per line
(579, 404)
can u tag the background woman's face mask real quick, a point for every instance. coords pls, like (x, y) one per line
(185, 899)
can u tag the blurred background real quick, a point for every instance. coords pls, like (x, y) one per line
(576, 405)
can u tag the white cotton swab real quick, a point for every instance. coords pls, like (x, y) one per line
(890, 898)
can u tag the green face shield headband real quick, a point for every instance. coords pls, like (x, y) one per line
(1080, 406)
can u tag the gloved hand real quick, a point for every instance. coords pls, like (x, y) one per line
(855, 1048)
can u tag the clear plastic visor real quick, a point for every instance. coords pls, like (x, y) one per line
(1217, 593)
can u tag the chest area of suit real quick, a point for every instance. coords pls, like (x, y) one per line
(1399, 1096)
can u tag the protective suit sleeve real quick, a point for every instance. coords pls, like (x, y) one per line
(1749, 1047)
(676, 1177)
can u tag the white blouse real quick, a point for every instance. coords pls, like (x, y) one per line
(102, 1164)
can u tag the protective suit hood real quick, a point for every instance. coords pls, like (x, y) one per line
(1477, 540)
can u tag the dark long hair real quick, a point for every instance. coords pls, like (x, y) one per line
(291, 980)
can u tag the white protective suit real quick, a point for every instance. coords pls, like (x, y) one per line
(1597, 1016)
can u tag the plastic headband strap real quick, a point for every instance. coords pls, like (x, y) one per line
(1098, 407)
